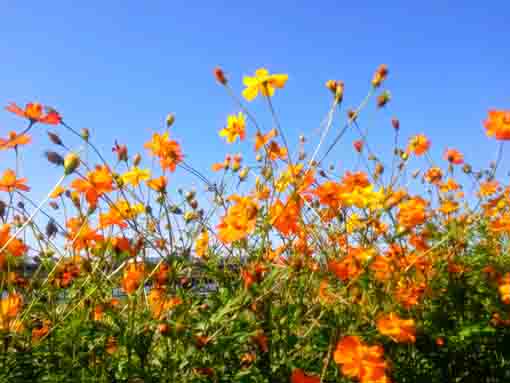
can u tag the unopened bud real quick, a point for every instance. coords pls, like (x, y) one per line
(383, 99)
(467, 169)
(220, 76)
(236, 166)
(71, 163)
(54, 158)
(137, 159)
(55, 138)
(85, 134)
(395, 123)
(170, 119)
(339, 92)
(352, 115)
(379, 168)
(380, 75)
(243, 173)
(190, 195)
(267, 172)
(331, 85)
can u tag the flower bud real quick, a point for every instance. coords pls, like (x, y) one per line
(54, 158)
(379, 169)
(380, 75)
(170, 119)
(339, 92)
(358, 145)
(122, 152)
(352, 115)
(71, 163)
(190, 195)
(243, 174)
(331, 85)
(85, 134)
(383, 99)
(220, 76)
(137, 159)
(55, 138)
(395, 123)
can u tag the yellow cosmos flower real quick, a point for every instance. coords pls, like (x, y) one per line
(236, 127)
(263, 82)
(135, 175)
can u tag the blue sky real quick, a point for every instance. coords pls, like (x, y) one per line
(118, 67)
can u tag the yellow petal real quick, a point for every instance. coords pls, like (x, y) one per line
(250, 93)
(261, 72)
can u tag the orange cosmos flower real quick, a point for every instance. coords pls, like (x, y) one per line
(347, 268)
(10, 183)
(159, 303)
(97, 183)
(498, 124)
(383, 267)
(10, 306)
(168, 151)
(449, 185)
(448, 207)
(239, 221)
(16, 247)
(298, 376)
(34, 112)
(329, 193)
(236, 127)
(433, 175)
(275, 151)
(253, 273)
(418, 145)
(488, 188)
(158, 184)
(41, 331)
(13, 141)
(360, 361)
(285, 217)
(162, 275)
(81, 235)
(504, 288)
(355, 180)
(262, 139)
(264, 83)
(453, 156)
(398, 329)
(412, 212)
(133, 276)
(409, 293)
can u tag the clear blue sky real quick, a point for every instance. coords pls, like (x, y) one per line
(118, 67)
